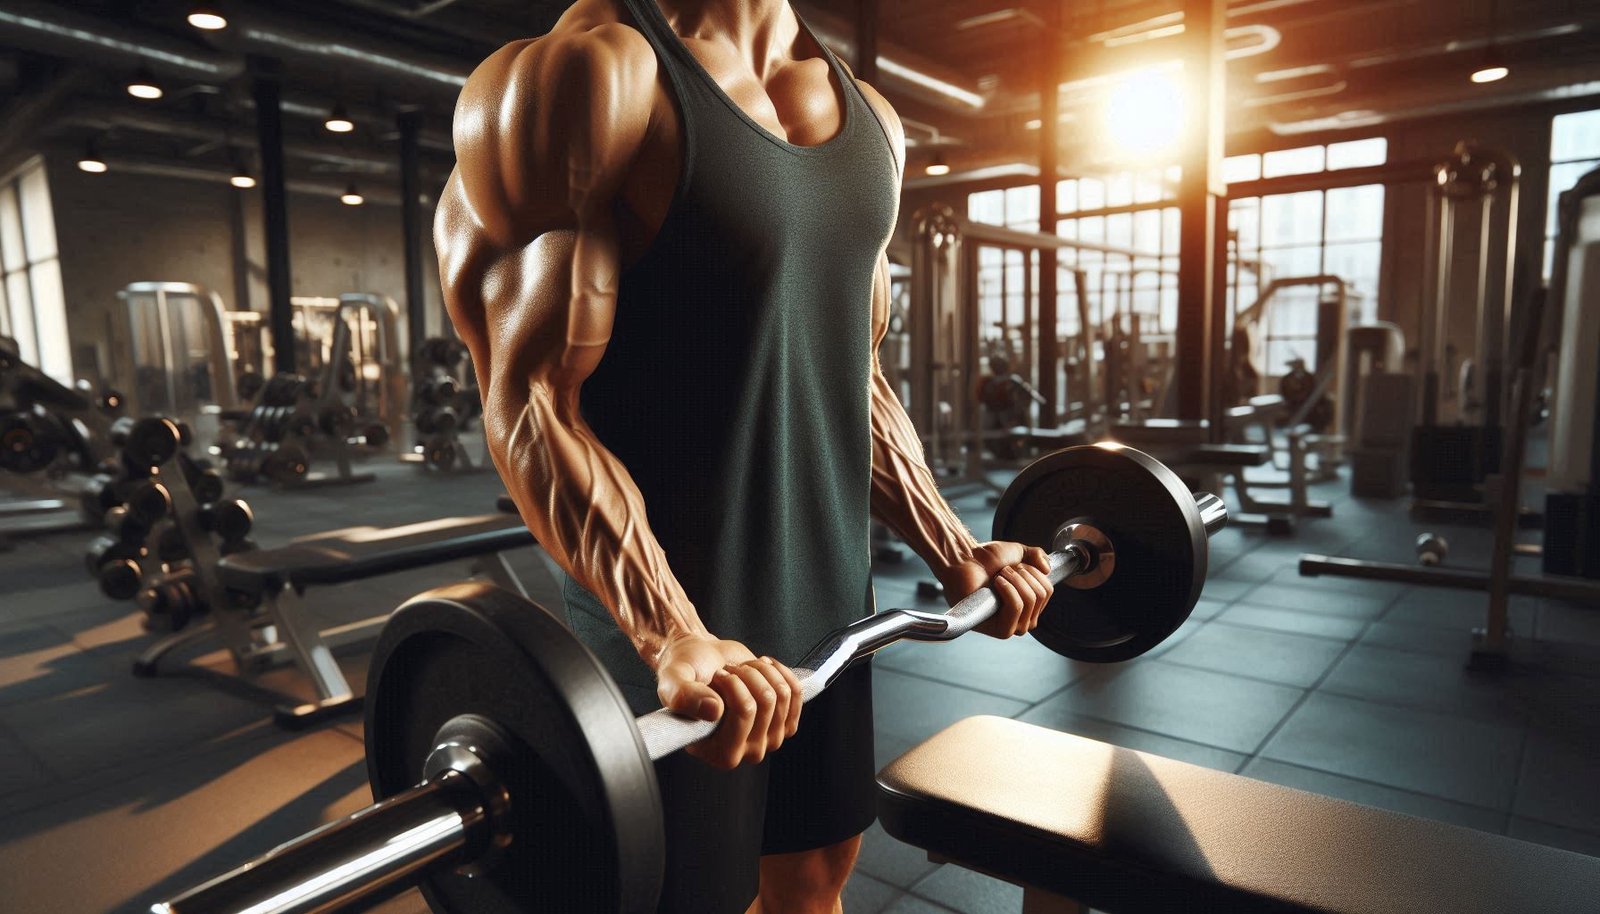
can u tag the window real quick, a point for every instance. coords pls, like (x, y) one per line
(32, 307)
(1574, 152)
(1306, 233)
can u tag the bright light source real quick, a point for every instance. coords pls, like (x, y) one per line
(1034, 124)
(207, 18)
(1490, 74)
(144, 86)
(92, 165)
(242, 181)
(352, 197)
(938, 168)
(339, 120)
(1144, 113)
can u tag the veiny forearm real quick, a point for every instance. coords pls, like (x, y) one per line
(904, 495)
(587, 513)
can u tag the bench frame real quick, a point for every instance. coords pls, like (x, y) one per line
(278, 630)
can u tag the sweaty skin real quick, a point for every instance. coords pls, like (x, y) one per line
(568, 148)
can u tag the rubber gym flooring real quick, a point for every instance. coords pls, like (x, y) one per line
(116, 791)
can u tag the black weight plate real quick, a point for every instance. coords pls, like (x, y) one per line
(1156, 533)
(587, 832)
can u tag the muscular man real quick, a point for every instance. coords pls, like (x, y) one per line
(664, 245)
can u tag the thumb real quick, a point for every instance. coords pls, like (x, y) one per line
(680, 693)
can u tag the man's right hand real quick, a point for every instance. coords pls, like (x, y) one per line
(756, 699)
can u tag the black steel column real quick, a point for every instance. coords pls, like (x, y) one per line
(274, 211)
(411, 226)
(867, 41)
(1201, 196)
(1049, 157)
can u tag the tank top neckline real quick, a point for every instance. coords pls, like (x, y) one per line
(669, 36)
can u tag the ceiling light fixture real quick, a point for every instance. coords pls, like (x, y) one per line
(91, 162)
(207, 18)
(143, 85)
(242, 179)
(1491, 68)
(352, 197)
(339, 120)
(938, 166)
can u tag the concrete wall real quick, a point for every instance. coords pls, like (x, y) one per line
(115, 229)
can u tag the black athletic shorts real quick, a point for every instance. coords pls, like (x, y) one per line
(817, 789)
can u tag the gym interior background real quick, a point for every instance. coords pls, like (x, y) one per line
(1334, 259)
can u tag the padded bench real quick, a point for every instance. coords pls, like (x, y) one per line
(266, 578)
(1078, 822)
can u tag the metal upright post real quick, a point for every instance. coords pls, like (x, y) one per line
(1200, 199)
(410, 124)
(274, 210)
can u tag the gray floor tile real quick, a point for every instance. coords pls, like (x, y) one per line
(23, 770)
(1567, 622)
(1206, 609)
(891, 860)
(1333, 603)
(1056, 714)
(915, 708)
(970, 892)
(1196, 705)
(867, 895)
(188, 820)
(1251, 568)
(1223, 590)
(1429, 681)
(1425, 639)
(1019, 668)
(1294, 660)
(73, 733)
(1469, 761)
(39, 661)
(1453, 609)
(1560, 781)
(1369, 794)
(911, 904)
(1579, 842)
(1337, 628)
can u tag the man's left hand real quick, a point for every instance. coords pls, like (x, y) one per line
(1018, 574)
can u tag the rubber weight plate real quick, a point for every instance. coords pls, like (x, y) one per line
(587, 827)
(1155, 530)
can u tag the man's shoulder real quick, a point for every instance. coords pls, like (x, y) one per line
(593, 38)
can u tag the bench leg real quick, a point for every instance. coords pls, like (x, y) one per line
(1038, 901)
(497, 568)
(313, 655)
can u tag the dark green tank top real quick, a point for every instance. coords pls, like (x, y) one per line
(735, 385)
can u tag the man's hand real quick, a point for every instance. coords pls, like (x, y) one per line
(1018, 574)
(756, 699)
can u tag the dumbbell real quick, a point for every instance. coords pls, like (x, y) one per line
(286, 462)
(171, 600)
(439, 453)
(27, 443)
(126, 526)
(229, 519)
(511, 775)
(149, 500)
(166, 540)
(115, 565)
(1432, 549)
(375, 434)
(99, 495)
(206, 483)
(438, 387)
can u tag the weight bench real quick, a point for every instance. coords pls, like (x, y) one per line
(263, 622)
(1080, 823)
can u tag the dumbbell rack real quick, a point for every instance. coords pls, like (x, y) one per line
(304, 423)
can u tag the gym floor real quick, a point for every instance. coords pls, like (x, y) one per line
(1349, 688)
